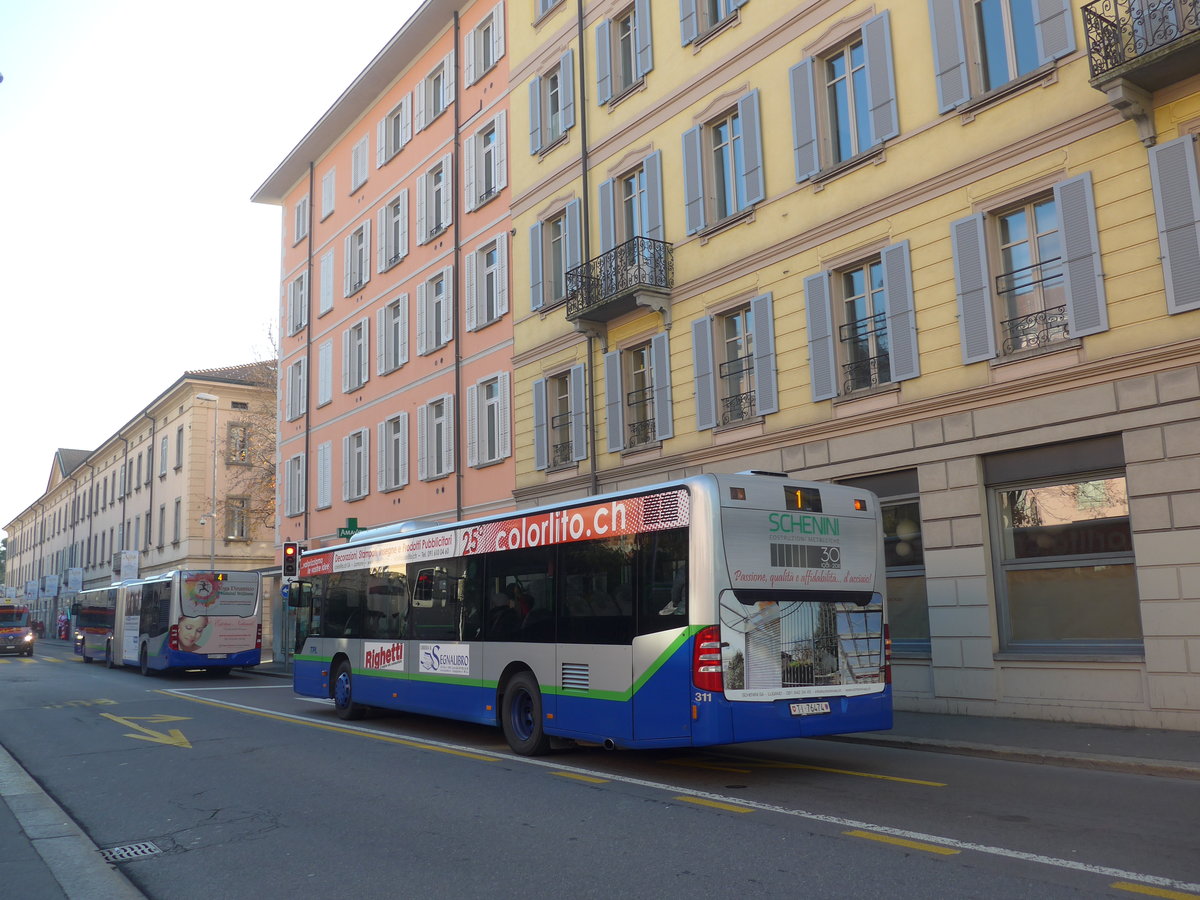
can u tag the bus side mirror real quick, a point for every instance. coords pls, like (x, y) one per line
(297, 595)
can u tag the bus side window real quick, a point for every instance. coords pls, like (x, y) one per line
(662, 582)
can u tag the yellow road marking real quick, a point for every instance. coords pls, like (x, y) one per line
(1151, 891)
(173, 738)
(728, 807)
(902, 842)
(335, 728)
(587, 778)
(783, 765)
(700, 764)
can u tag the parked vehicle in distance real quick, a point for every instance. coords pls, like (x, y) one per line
(16, 632)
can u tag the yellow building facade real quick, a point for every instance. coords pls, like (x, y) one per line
(947, 251)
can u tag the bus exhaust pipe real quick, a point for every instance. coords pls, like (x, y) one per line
(610, 744)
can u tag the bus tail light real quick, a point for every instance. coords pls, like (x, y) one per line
(887, 654)
(173, 638)
(706, 660)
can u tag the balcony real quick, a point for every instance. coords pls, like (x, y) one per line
(639, 272)
(1152, 43)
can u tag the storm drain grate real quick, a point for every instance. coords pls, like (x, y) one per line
(130, 851)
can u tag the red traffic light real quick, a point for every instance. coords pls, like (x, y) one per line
(291, 558)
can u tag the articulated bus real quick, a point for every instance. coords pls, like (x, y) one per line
(182, 620)
(710, 610)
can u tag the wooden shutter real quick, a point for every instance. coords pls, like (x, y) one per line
(574, 236)
(753, 180)
(766, 388)
(975, 315)
(604, 62)
(607, 214)
(422, 316)
(448, 304)
(804, 120)
(567, 82)
(643, 37)
(422, 217)
(448, 191)
(448, 447)
(501, 154)
(822, 354)
(1176, 183)
(536, 275)
(693, 179)
(881, 81)
(689, 21)
(1087, 306)
(949, 54)
(535, 114)
(654, 196)
(471, 300)
(901, 314)
(1055, 31)
(613, 402)
(473, 425)
(469, 172)
(423, 442)
(660, 355)
(540, 439)
(706, 386)
(579, 414)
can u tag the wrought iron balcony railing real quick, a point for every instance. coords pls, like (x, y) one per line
(1121, 31)
(866, 373)
(1046, 326)
(604, 287)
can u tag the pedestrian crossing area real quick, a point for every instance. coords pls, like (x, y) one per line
(28, 660)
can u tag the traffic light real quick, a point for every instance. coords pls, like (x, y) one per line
(291, 559)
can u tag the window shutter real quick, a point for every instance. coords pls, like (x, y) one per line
(579, 419)
(660, 354)
(540, 438)
(607, 214)
(423, 442)
(502, 273)
(471, 300)
(381, 143)
(654, 196)
(1176, 183)
(613, 406)
(689, 21)
(364, 361)
(706, 387)
(419, 104)
(881, 80)
(402, 450)
(448, 305)
(381, 354)
(949, 53)
(381, 482)
(470, 50)
(574, 240)
(498, 31)
(346, 468)
(324, 475)
(346, 361)
(901, 315)
(822, 358)
(752, 158)
(325, 373)
(406, 119)
(448, 193)
(604, 62)
(422, 337)
(501, 157)
(536, 275)
(381, 254)
(643, 37)
(1087, 306)
(402, 250)
(402, 351)
(448, 447)
(567, 80)
(365, 258)
(422, 227)
(766, 389)
(447, 79)
(693, 180)
(326, 302)
(505, 414)
(473, 425)
(364, 464)
(535, 114)
(975, 315)
(347, 255)
(469, 172)
(1055, 34)
(804, 120)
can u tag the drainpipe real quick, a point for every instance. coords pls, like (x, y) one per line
(586, 255)
(456, 304)
(308, 369)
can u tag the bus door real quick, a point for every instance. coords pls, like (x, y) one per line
(662, 699)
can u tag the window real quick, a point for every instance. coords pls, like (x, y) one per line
(552, 104)
(631, 205)
(393, 452)
(722, 166)
(178, 456)
(637, 385)
(177, 522)
(554, 250)
(486, 272)
(297, 303)
(393, 335)
(358, 258)
(624, 52)
(485, 155)
(1039, 295)
(393, 231)
(844, 100)
(484, 45)
(435, 438)
(325, 273)
(434, 93)
(162, 529)
(301, 219)
(544, 6)
(294, 486)
(739, 381)
(434, 309)
(872, 338)
(237, 518)
(325, 475)
(356, 451)
(982, 45)
(325, 373)
(328, 193)
(163, 455)
(1176, 183)
(238, 445)
(488, 431)
(435, 203)
(356, 355)
(698, 18)
(297, 389)
(560, 429)
(358, 164)
(395, 130)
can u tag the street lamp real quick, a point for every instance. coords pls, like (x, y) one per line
(212, 513)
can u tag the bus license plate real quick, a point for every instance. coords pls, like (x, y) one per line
(226, 656)
(810, 709)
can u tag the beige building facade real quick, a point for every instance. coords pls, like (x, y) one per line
(187, 483)
(947, 255)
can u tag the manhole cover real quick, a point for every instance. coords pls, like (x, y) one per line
(130, 851)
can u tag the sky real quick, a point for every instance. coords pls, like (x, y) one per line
(132, 135)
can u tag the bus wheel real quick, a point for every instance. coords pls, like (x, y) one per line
(109, 662)
(86, 658)
(144, 662)
(521, 716)
(343, 698)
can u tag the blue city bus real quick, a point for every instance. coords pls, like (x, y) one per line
(187, 620)
(709, 610)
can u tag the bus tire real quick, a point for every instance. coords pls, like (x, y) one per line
(86, 658)
(343, 693)
(109, 662)
(521, 716)
(144, 662)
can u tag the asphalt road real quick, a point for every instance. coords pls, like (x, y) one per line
(234, 787)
